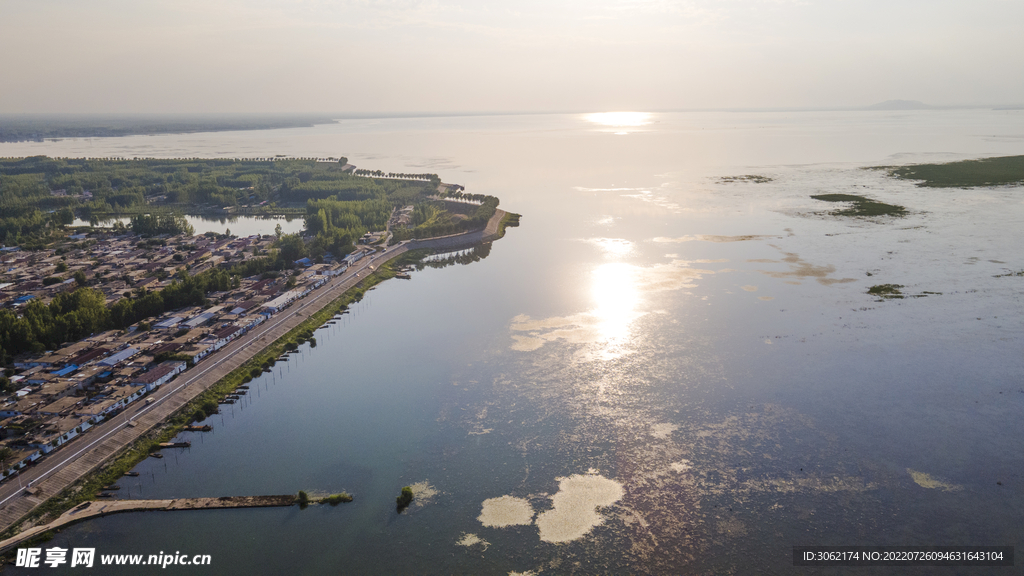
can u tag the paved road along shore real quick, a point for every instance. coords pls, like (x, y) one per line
(64, 467)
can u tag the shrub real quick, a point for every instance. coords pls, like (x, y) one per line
(404, 499)
(335, 499)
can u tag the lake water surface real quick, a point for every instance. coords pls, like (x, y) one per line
(661, 370)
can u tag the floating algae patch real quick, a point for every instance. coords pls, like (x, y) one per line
(505, 511)
(663, 430)
(800, 268)
(861, 206)
(423, 493)
(997, 171)
(1018, 273)
(927, 481)
(752, 178)
(574, 507)
(469, 540)
(886, 290)
(681, 466)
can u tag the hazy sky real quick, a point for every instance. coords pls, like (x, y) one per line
(442, 55)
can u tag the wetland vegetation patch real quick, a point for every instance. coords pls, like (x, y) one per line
(505, 511)
(886, 290)
(861, 206)
(999, 171)
(575, 506)
(752, 178)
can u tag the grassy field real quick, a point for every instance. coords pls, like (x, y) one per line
(1000, 171)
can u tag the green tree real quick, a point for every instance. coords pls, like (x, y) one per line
(404, 499)
(291, 247)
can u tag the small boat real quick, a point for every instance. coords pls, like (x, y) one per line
(225, 402)
(155, 455)
(132, 474)
(112, 487)
(104, 495)
(185, 444)
(203, 428)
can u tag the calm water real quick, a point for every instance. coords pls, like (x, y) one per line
(707, 345)
(236, 225)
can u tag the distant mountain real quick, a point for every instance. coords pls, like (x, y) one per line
(900, 105)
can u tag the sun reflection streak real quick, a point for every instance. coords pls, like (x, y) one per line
(616, 295)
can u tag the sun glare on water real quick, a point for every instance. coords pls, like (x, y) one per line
(616, 296)
(620, 119)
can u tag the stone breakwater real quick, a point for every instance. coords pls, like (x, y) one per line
(96, 508)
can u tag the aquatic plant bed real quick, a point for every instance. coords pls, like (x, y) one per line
(999, 171)
(861, 206)
(753, 178)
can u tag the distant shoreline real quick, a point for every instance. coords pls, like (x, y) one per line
(43, 127)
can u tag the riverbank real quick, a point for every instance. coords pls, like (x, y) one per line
(175, 403)
(76, 477)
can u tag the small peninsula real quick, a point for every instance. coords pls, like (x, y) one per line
(102, 327)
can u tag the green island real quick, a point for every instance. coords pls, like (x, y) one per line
(861, 206)
(116, 287)
(998, 171)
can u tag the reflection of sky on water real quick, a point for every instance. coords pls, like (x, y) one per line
(238, 225)
(618, 330)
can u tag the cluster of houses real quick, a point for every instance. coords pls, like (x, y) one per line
(62, 393)
(116, 264)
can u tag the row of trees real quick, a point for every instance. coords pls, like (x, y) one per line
(382, 174)
(157, 224)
